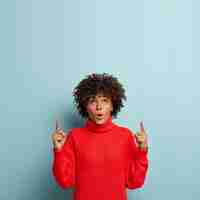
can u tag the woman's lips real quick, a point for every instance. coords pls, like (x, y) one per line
(99, 116)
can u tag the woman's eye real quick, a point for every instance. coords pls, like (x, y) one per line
(91, 101)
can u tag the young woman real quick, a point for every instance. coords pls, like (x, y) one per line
(101, 159)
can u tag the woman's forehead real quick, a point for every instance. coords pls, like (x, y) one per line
(100, 95)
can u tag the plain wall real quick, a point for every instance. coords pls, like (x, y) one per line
(47, 47)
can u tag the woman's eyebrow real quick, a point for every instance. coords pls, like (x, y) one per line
(103, 96)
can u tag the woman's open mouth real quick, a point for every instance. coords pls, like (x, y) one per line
(99, 116)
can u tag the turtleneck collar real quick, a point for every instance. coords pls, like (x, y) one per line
(100, 128)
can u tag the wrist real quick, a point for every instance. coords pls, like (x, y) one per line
(143, 146)
(57, 148)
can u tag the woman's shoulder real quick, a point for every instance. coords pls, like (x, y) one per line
(125, 131)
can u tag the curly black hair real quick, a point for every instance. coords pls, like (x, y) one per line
(94, 84)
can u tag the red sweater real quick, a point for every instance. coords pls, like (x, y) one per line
(100, 162)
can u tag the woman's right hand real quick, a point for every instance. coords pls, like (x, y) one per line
(58, 138)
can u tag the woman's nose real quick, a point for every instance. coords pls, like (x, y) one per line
(98, 106)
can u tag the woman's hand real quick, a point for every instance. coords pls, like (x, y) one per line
(141, 137)
(58, 138)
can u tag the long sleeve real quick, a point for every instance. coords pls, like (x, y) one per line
(137, 165)
(64, 163)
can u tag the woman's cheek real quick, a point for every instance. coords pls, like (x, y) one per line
(91, 108)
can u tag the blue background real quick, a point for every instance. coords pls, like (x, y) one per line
(47, 47)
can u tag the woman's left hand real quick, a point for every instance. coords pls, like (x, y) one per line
(141, 137)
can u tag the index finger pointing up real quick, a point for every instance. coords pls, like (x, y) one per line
(142, 127)
(57, 124)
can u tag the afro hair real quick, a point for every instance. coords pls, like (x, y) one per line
(95, 83)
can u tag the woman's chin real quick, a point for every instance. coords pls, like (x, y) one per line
(100, 120)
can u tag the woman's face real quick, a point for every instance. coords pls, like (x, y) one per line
(99, 108)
